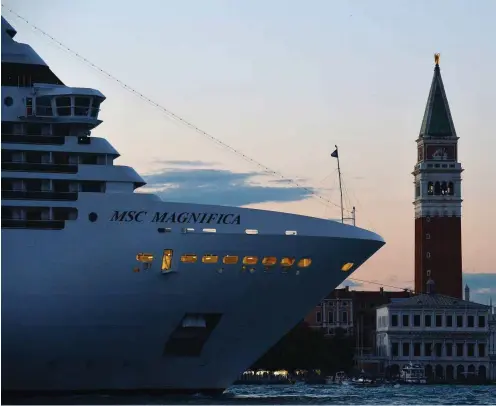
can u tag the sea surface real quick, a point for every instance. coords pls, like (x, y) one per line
(299, 394)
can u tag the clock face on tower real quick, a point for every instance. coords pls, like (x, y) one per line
(440, 152)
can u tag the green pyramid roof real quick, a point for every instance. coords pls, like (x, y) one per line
(437, 120)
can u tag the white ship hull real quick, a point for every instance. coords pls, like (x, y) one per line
(75, 317)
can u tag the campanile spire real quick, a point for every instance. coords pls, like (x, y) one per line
(437, 202)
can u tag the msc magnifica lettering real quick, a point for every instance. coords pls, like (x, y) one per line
(174, 217)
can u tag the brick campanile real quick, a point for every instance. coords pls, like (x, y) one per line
(438, 198)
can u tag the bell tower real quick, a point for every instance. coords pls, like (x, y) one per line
(438, 199)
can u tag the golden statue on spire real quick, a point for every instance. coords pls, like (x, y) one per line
(436, 58)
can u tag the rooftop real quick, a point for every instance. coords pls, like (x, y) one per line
(437, 120)
(435, 300)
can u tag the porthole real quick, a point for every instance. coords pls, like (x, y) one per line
(230, 259)
(92, 217)
(428, 255)
(210, 259)
(304, 262)
(269, 261)
(346, 267)
(287, 261)
(428, 272)
(144, 257)
(250, 260)
(189, 258)
(8, 101)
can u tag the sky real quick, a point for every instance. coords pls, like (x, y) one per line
(283, 82)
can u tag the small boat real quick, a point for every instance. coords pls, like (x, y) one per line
(364, 381)
(413, 374)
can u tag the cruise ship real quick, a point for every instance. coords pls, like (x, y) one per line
(106, 289)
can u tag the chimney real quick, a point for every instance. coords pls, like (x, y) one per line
(431, 287)
(467, 293)
(381, 290)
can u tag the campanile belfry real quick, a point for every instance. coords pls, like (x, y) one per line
(438, 199)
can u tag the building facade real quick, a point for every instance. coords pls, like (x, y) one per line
(450, 337)
(354, 312)
(438, 197)
(492, 345)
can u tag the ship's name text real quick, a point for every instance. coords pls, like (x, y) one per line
(173, 217)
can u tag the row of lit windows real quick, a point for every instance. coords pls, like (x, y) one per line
(228, 260)
(247, 260)
(268, 261)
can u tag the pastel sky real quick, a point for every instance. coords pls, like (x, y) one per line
(283, 81)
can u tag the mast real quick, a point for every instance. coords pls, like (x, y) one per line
(336, 155)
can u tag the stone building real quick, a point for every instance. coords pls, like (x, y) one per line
(448, 335)
(353, 311)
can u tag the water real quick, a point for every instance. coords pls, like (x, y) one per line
(300, 394)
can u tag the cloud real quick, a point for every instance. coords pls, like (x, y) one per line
(482, 286)
(286, 181)
(218, 186)
(350, 283)
(178, 162)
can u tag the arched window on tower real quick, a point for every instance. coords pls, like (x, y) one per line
(451, 189)
(437, 189)
(430, 188)
(417, 189)
(444, 188)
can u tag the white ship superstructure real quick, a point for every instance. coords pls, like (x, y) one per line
(106, 289)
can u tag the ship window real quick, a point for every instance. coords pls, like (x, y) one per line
(44, 106)
(304, 262)
(143, 257)
(230, 259)
(287, 261)
(269, 261)
(209, 230)
(189, 258)
(63, 106)
(291, 232)
(95, 108)
(251, 231)
(88, 159)
(346, 267)
(250, 260)
(167, 260)
(210, 259)
(91, 186)
(81, 106)
(29, 106)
